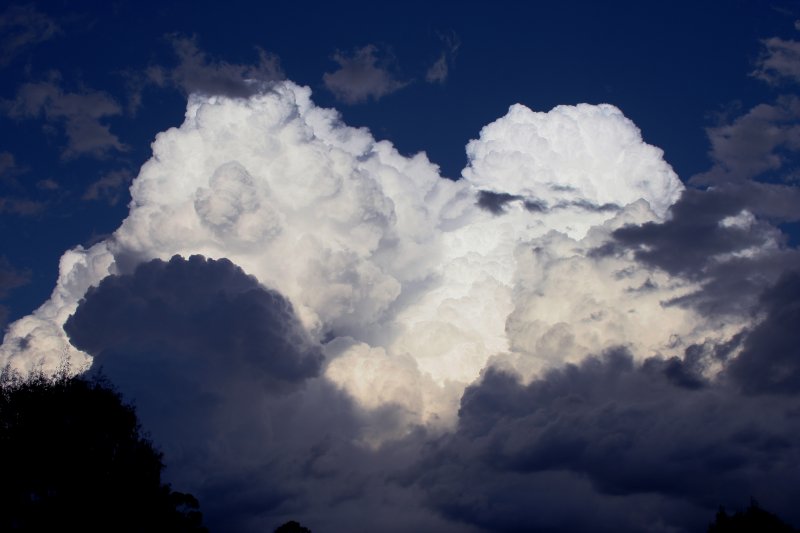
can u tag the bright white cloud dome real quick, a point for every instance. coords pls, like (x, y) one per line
(409, 282)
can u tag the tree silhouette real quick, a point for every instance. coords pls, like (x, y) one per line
(753, 520)
(72, 457)
(292, 527)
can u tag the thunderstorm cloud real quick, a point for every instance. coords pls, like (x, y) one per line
(314, 326)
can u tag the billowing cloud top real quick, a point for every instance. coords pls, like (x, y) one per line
(320, 311)
(584, 155)
(416, 283)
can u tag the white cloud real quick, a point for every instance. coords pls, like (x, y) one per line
(583, 156)
(362, 76)
(378, 249)
(405, 288)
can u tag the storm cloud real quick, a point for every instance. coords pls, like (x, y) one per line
(314, 326)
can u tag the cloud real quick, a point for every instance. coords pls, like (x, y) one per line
(770, 358)
(727, 244)
(754, 143)
(440, 69)
(227, 382)
(587, 156)
(362, 76)
(779, 62)
(20, 206)
(227, 311)
(611, 445)
(8, 165)
(21, 28)
(729, 233)
(394, 315)
(10, 279)
(403, 267)
(108, 187)
(195, 73)
(13, 198)
(79, 113)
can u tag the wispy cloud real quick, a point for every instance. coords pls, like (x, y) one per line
(197, 73)
(440, 69)
(109, 187)
(779, 62)
(80, 114)
(754, 143)
(10, 278)
(22, 27)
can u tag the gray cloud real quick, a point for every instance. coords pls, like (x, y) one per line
(770, 359)
(20, 206)
(80, 114)
(362, 76)
(109, 186)
(22, 27)
(495, 202)
(754, 143)
(728, 235)
(440, 69)
(155, 306)
(723, 238)
(779, 61)
(217, 366)
(10, 279)
(227, 383)
(196, 73)
(609, 445)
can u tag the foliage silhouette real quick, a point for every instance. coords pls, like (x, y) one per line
(73, 458)
(751, 520)
(292, 527)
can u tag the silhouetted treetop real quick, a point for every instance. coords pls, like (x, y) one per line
(292, 527)
(751, 520)
(73, 458)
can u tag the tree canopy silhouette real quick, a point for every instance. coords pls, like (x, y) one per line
(73, 458)
(754, 519)
(292, 526)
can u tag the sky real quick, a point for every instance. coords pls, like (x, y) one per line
(420, 266)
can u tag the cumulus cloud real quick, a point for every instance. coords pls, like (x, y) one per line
(381, 292)
(406, 269)
(21, 28)
(770, 358)
(226, 380)
(728, 233)
(361, 76)
(611, 445)
(586, 157)
(196, 73)
(80, 114)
